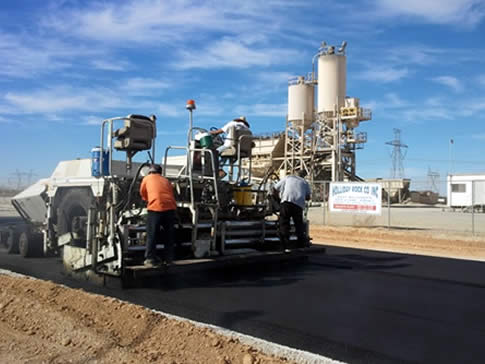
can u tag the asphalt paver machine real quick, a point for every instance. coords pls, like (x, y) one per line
(90, 212)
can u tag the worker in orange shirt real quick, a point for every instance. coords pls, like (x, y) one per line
(158, 192)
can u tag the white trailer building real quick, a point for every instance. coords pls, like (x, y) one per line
(465, 190)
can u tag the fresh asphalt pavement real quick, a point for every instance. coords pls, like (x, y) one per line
(352, 305)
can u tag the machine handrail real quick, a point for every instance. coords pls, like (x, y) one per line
(189, 169)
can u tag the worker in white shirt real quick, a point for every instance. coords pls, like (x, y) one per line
(292, 191)
(238, 124)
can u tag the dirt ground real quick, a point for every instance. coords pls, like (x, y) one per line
(42, 322)
(401, 241)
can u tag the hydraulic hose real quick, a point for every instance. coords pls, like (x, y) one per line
(132, 184)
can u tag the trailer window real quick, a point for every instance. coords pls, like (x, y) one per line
(458, 187)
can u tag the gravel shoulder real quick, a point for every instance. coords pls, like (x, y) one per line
(42, 322)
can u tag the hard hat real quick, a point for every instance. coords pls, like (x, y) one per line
(241, 118)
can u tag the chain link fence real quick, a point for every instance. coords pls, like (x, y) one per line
(455, 205)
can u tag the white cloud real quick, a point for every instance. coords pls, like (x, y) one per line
(456, 12)
(472, 107)
(45, 101)
(141, 21)
(433, 108)
(274, 79)
(418, 114)
(166, 21)
(61, 99)
(92, 120)
(232, 53)
(170, 110)
(5, 120)
(23, 56)
(434, 102)
(390, 102)
(269, 110)
(415, 54)
(393, 100)
(449, 81)
(184, 24)
(481, 80)
(110, 65)
(426, 55)
(209, 109)
(383, 74)
(65, 98)
(480, 137)
(142, 86)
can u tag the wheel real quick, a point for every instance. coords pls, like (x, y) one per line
(12, 242)
(30, 244)
(74, 203)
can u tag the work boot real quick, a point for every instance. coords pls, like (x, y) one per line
(152, 263)
(304, 244)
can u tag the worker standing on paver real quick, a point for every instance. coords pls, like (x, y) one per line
(292, 192)
(161, 206)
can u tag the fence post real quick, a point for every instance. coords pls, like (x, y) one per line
(388, 204)
(473, 208)
(324, 202)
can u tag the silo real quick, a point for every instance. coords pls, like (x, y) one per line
(332, 81)
(301, 100)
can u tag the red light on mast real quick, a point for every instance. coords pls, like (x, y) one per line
(190, 105)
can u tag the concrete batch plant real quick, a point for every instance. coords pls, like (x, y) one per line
(322, 141)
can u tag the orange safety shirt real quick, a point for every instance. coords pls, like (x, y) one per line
(158, 192)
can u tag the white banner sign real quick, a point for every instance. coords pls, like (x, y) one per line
(355, 197)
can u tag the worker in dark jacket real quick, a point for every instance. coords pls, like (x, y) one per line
(292, 192)
(161, 205)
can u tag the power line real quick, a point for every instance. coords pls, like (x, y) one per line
(378, 160)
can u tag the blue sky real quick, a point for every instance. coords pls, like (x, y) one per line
(66, 65)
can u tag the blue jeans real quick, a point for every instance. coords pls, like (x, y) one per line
(155, 221)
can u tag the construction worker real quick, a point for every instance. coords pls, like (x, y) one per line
(238, 124)
(158, 192)
(292, 191)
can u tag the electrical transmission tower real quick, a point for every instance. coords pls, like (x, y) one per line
(21, 179)
(433, 179)
(397, 155)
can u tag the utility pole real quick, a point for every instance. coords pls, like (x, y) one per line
(450, 153)
(397, 155)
